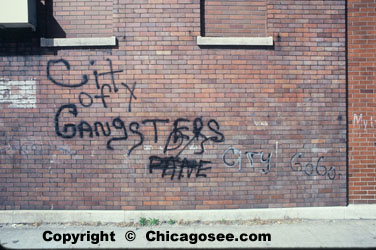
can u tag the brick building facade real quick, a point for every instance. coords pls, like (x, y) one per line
(362, 101)
(157, 121)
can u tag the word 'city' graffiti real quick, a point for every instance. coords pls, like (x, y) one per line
(85, 99)
(250, 157)
(85, 80)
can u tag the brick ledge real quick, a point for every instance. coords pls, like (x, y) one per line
(78, 42)
(234, 41)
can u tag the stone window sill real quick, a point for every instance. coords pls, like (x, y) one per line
(78, 42)
(235, 41)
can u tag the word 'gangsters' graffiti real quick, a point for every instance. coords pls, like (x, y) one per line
(178, 139)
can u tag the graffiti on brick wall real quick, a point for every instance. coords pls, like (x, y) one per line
(174, 141)
(18, 94)
(179, 140)
(98, 128)
(361, 122)
(251, 156)
(175, 166)
(30, 146)
(181, 137)
(265, 159)
(85, 99)
(311, 169)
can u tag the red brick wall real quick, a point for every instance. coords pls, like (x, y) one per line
(362, 93)
(259, 119)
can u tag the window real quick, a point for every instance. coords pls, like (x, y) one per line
(234, 22)
(78, 23)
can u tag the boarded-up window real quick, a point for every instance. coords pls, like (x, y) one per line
(79, 18)
(235, 18)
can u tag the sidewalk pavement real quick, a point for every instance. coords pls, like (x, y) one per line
(283, 233)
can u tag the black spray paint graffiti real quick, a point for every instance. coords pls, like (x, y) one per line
(175, 141)
(85, 99)
(131, 93)
(154, 122)
(85, 78)
(177, 136)
(178, 139)
(69, 130)
(266, 160)
(310, 169)
(169, 166)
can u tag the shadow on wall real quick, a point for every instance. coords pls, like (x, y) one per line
(52, 28)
